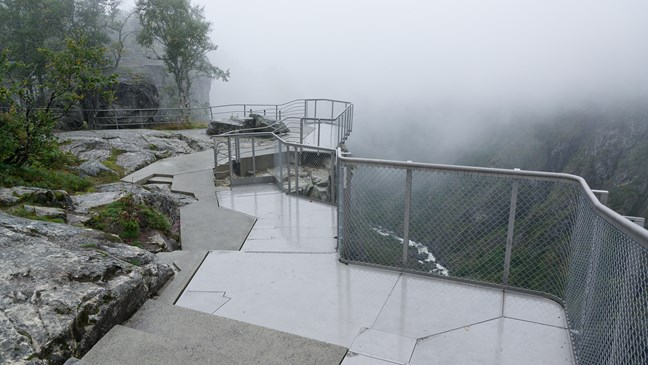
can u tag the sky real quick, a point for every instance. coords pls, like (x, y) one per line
(432, 66)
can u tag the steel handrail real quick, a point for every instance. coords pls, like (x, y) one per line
(638, 233)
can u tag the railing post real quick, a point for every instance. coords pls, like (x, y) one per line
(301, 131)
(509, 233)
(229, 159)
(332, 108)
(406, 215)
(319, 131)
(276, 112)
(244, 110)
(296, 171)
(253, 159)
(237, 143)
(288, 167)
(305, 108)
(280, 166)
(332, 177)
(211, 114)
(315, 111)
(279, 115)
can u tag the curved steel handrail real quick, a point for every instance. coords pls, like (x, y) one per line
(614, 218)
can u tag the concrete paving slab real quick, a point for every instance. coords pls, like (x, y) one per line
(311, 295)
(420, 307)
(185, 263)
(174, 165)
(383, 345)
(534, 309)
(199, 183)
(356, 359)
(502, 341)
(233, 342)
(205, 226)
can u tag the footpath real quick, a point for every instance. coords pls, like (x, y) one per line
(164, 333)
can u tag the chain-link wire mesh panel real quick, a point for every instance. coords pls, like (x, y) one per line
(312, 172)
(544, 222)
(461, 220)
(372, 205)
(606, 297)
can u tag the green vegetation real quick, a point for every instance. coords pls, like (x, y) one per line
(20, 211)
(183, 34)
(111, 162)
(129, 219)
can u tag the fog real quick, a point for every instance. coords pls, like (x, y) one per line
(429, 76)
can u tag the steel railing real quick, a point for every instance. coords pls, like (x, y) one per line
(535, 232)
(249, 158)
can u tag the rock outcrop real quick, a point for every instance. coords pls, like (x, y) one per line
(133, 96)
(131, 149)
(63, 287)
(255, 123)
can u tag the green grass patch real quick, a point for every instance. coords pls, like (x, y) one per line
(180, 126)
(129, 220)
(20, 211)
(111, 163)
(43, 177)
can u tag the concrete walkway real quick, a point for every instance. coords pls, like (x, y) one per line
(263, 268)
(163, 333)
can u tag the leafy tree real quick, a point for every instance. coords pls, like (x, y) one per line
(36, 104)
(121, 34)
(183, 33)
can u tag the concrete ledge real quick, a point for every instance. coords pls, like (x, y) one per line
(228, 341)
(205, 226)
(188, 263)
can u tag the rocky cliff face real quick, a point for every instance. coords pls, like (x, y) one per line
(64, 287)
(609, 148)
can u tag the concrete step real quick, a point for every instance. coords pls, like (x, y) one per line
(160, 179)
(125, 346)
(205, 226)
(230, 341)
(185, 264)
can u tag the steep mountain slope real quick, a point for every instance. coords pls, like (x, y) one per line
(606, 146)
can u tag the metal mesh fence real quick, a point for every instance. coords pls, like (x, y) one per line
(527, 232)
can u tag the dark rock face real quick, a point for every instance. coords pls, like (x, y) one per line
(254, 123)
(64, 287)
(131, 93)
(262, 124)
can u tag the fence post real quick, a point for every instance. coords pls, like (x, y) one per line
(301, 131)
(244, 110)
(253, 158)
(280, 166)
(319, 131)
(280, 115)
(276, 112)
(229, 159)
(509, 233)
(288, 167)
(406, 214)
(332, 177)
(296, 171)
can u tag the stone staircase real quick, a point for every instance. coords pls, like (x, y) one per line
(161, 333)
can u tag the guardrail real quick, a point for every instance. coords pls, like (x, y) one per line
(251, 158)
(141, 118)
(534, 232)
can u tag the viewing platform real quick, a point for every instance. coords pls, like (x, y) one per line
(302, 254)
